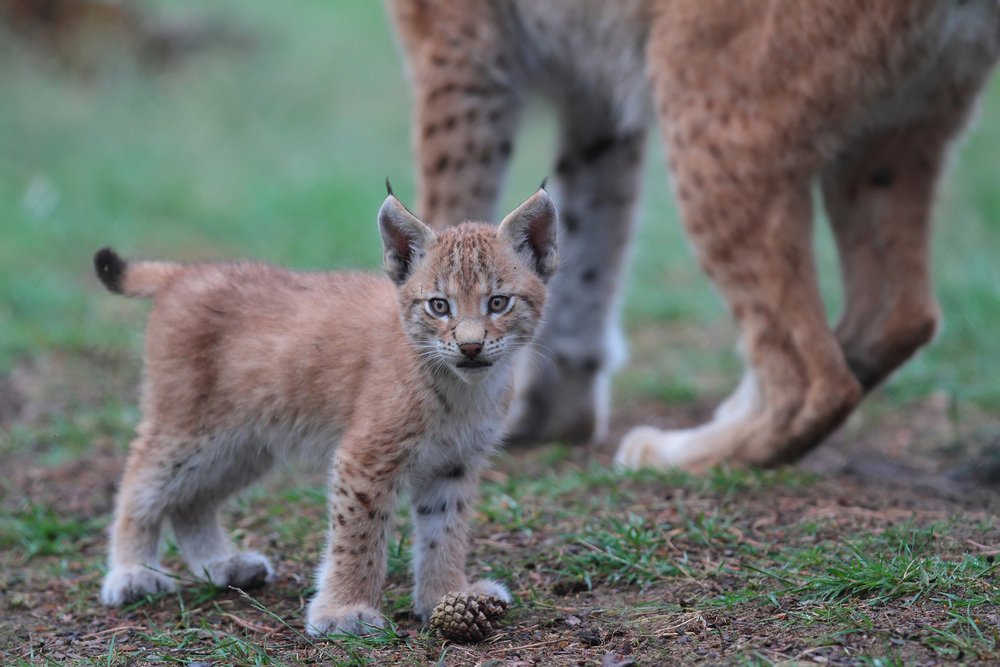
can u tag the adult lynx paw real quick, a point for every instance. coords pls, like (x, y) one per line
(325, 620)
(557, 399)
(125, 585)
(645, 446)
(246, 569)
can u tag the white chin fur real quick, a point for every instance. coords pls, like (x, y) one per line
(473, 375)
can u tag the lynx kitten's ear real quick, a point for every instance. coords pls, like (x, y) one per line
(404, 239)
(531, 228)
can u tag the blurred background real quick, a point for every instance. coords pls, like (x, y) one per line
(250, 128)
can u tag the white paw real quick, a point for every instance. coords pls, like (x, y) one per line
(125, 585)
(490, 587)
(648, 447)
(325, 620)
(246, 569)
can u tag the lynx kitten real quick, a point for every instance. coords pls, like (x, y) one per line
(400, 384)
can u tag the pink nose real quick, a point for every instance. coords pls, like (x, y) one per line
(470, 349)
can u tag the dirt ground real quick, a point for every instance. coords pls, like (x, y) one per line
(607, 570)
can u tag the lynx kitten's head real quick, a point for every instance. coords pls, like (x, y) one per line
(470, 295)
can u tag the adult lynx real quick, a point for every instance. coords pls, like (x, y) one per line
(399, 384)
(755, 100)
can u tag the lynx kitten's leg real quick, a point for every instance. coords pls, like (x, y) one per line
(203, 474)
(185, 481)
(879, 197)
(466, 99)
(362, 498)
(209, 554)
(564, 386)
(133, 562)
(441, 504)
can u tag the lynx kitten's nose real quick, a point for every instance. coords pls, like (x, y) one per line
(470, 349)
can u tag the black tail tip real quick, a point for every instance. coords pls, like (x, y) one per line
(110, 268)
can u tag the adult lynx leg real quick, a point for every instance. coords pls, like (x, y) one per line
(757, 251)
(879, 197)
(466, 98)
(746, 207)
(563, 386)
(441, 503)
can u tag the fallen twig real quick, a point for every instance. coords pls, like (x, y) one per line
(109, 630)
(251, 626)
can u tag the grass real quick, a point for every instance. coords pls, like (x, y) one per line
(41, 531)
(832, 576)
(625, 552)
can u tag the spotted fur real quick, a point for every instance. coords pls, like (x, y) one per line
(247, 364)
(755, 100)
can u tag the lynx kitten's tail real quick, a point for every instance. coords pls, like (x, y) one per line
(136, 279)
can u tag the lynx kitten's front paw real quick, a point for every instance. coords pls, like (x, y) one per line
(325, 620)
(490, 587)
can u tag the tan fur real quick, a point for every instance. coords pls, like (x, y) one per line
(755, 100)
(247, 364)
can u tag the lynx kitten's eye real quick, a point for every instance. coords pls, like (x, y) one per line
(498, 303)
(439, 306)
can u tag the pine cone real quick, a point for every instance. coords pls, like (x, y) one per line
(468, 617)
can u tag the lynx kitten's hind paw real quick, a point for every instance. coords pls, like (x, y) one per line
(125, 585)
(247, 569)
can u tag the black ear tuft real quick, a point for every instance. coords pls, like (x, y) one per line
(110, 268)
(545, 181)
(388, 188)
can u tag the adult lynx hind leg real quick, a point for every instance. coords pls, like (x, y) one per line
(879, 195)
(879, 200)
(743, 156)
(466, 102)
(797, 387)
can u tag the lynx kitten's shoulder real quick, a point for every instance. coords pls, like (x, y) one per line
(399, 384)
